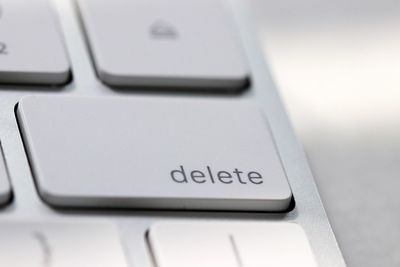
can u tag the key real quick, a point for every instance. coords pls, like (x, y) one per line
(174, 43)
(278, 244)
(5, 188)
(60, 244)
(230, 244)
(192, 246)
(31, 49)
(152, 153)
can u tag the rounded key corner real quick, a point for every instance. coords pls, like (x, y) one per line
(154, 228)
(288, 199)
(292, 204)
(109, 78)
(59, 78)
(240, 85)
(53, 81)
(23, 99)
(158, 227)
(52, 199)
(64, 77)
(246, 80)
(22, 102)
(297, 227)
(283, 204)
(6, 199)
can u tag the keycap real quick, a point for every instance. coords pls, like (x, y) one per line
(173, 43)
(60, 244)
(5, 188)
(31, 47)
(145, 152)
(198, 244)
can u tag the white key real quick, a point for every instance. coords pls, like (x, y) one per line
(275, 244)
(194, 245)
(164, 43)
(230, 245)
(152, 153)
(31, 48)
(56, 244)
(5, 189)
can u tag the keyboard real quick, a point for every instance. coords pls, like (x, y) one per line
(148, 133)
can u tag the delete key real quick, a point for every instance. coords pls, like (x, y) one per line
(152, 153)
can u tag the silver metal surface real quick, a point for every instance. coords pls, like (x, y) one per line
(308, 212)
(336, 64)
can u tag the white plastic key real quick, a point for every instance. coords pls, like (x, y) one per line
(60, 244)
(152, 153)
(198, 244)
(164, 43)
(5, 189)
(31, 47)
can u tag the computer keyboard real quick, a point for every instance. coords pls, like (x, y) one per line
(148, 133)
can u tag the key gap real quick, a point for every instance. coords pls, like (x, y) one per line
(235, 251)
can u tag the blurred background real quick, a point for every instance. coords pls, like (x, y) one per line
(337, 66)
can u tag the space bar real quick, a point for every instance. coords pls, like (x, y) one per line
(152, 153)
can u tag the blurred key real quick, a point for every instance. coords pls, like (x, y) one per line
(175, 43)
(191, 244)
(60, 244)
(273, 244)
(197, 244)
(31, 47)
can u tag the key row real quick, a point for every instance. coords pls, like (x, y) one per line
(172, 244)
(158, 43)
